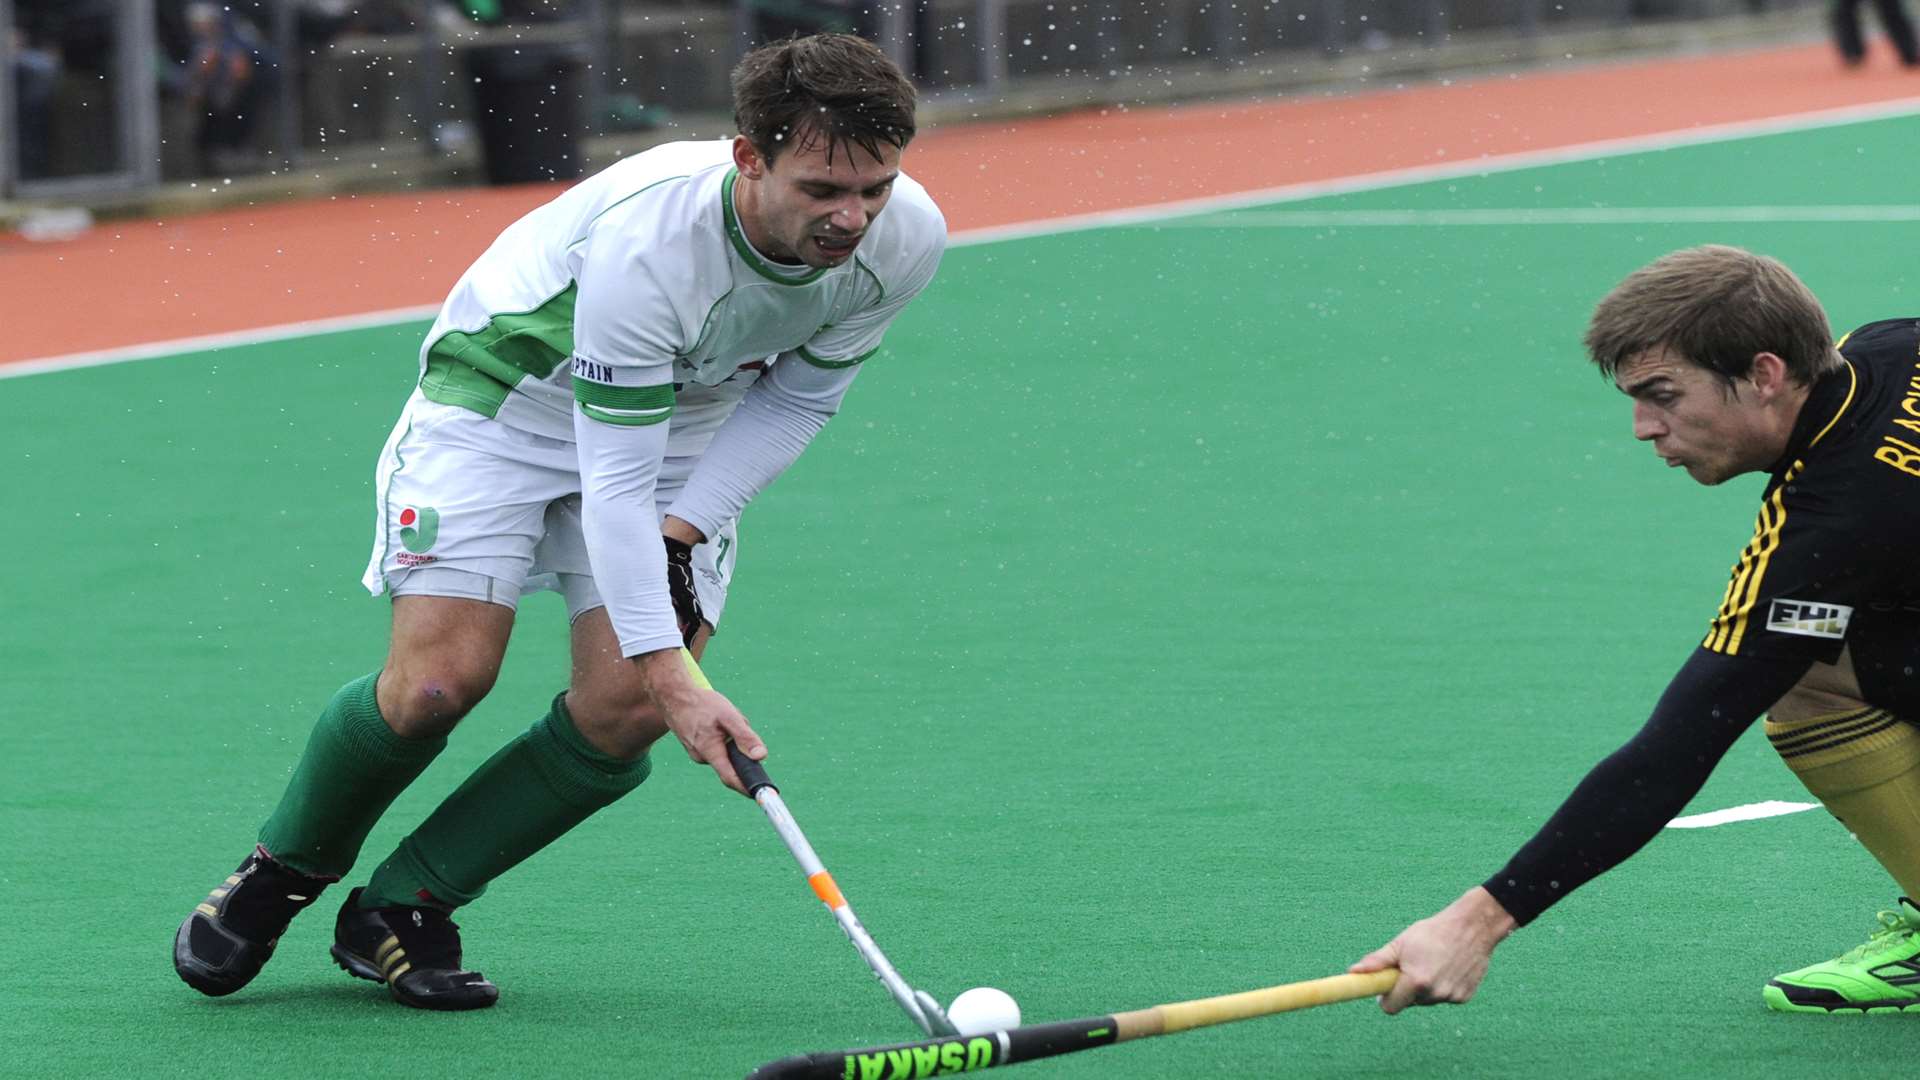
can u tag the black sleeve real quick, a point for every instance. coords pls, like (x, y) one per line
(1630, 796)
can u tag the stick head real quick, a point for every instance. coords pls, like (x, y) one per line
(936, 1017)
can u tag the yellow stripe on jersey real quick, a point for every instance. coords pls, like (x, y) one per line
(1730, 625)
(1736, 583)
(1852, 385)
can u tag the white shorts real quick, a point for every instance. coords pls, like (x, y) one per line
(469, 507)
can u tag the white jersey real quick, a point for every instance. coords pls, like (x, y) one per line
(691, 292)
(632, 315)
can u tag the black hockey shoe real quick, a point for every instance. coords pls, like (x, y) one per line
(414, 950)
(231, 934)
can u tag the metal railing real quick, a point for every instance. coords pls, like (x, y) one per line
(140, 92)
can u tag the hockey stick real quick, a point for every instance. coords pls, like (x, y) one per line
(941, 1057)
(923, 1008)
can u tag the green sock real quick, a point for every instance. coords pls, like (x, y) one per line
(352, 770)
(521, 799)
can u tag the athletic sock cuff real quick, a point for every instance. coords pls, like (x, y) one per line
(577, 772)
(408, 864)
(1844, 752)
(365, 732)
(353, 767)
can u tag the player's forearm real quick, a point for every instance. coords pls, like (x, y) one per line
(1622, 804)
(619, 467)
(1630, 796)
(666, 676)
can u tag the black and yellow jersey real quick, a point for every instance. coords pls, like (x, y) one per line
(1835, 552)
(1834, 564)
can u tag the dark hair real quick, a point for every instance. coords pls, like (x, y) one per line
(1717, 307)
(834, 86)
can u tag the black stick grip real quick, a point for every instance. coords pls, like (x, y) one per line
(752, 774)
(940, 1057)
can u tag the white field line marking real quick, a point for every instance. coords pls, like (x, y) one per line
(1481, 166)
(1748, 812)
(176, 346)
(1573, 215)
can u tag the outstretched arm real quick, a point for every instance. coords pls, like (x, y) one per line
(1623, 803)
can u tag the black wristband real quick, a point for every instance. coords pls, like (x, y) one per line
(680, 590)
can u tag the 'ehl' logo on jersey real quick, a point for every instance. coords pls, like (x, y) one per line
(1809, 619)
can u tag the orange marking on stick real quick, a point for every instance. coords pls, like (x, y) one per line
(826, 890)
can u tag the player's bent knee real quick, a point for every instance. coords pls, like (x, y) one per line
(579, 771)
(629, 733)
(428, 701)
(621, 729)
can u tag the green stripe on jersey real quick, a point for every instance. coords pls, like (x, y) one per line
(627, 406)
(737, 234)
(478, 370)
(849, 362)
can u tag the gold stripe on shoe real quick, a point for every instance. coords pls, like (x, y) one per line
(392, 958)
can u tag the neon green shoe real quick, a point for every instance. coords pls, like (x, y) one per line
(1882, 976)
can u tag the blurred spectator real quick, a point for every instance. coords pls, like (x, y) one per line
(1893, 16)
(77, 42)
(36, 71)
(228, 71)
(527, 97)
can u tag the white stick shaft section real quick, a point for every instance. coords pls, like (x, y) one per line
(882, 970)
(810, 864)
(789, 831)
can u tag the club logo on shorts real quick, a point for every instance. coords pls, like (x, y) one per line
(1809, 619)
(419, 528)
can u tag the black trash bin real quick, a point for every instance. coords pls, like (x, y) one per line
(528, 105)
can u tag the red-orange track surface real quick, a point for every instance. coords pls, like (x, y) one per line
(136, 282)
